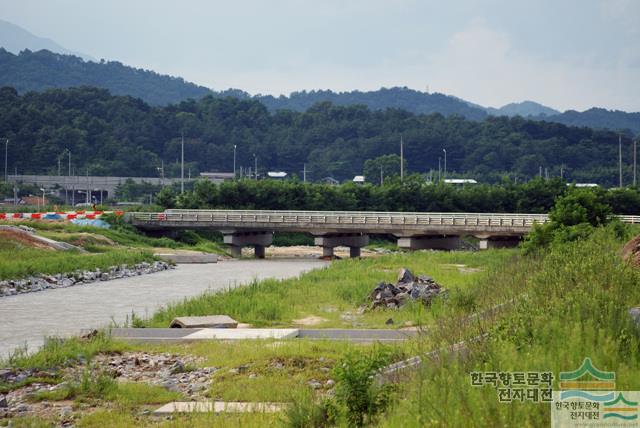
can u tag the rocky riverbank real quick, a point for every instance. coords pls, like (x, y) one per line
(44, 282)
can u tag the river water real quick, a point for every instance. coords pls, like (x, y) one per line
(30, 317)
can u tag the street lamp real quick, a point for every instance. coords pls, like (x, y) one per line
(6, 152)
(255, 165)
(445, 163)
(234, 161)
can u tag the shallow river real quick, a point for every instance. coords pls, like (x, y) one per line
(29, 317)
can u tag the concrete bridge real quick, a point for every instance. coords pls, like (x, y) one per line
(351, 229)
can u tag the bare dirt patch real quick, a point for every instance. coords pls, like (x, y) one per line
(310, 320)
(631, 251)
(23, 239)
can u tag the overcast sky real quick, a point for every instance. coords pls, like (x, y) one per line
(563, 53)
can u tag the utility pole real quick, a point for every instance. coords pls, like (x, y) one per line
(635, 154)
(255, 165)
(540, 171)
(381, 176)
(439, 169)
(182, 166)
(88, 188)
(546, 173)
(304, 172)
(620, 157)
(6, 153)
(234, 161)
(445, 163)
(401, 159)
(561, 172)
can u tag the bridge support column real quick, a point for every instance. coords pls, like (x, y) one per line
(237, 240)
(354, 241)
(430, 242)
(498, 242)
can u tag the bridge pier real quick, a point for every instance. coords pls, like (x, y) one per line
(355, 241)
(498, 242)
(430, 242)
(259, 240)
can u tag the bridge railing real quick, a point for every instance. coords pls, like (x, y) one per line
(343, 217)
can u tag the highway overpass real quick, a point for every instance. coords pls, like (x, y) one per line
(350, 228)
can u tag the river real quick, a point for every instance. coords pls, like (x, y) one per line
(29, 318)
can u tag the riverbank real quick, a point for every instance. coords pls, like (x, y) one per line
(64, 312)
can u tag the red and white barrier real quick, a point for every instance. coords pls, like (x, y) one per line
(52, 215)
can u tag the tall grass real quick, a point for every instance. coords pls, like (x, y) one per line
(329, 293)
(572, 304)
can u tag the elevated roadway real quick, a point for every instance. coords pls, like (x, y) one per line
(350, 228)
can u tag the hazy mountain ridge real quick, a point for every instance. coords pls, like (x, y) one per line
(37, 71)
(16, 39)
(525, 109)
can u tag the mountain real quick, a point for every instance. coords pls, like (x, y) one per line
(16, 39)
(524, 109)
(598, 118)
(37, 71)
(381, 99)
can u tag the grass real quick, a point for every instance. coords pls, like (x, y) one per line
(576, 303)
(259, 370)
(18, 261)
(104, 245)
(336, 293)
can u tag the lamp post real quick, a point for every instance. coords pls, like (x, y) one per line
(445, 163)
(182, 166)
(255, 166)
(234, 161)
(6, 153)
(401, 159)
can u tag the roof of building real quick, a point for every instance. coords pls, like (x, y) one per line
(460, 181)
(276, 174)
(358, 179)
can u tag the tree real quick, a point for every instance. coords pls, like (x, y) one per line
(387, 166)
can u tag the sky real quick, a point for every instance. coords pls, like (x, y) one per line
(567, 54)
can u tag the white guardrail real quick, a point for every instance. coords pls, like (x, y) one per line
(350, 217)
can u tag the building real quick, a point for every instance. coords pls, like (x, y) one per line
(358, 179)
(460, 181)
(277, 175)
(217, 177)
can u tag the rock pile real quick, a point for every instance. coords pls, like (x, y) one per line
(44, 282)
(408, 287)
(176, 373)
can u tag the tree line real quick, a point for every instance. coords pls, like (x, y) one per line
(411, 195)
(124, 136)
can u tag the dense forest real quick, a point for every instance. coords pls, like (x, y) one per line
(42, 70)
(119, 135)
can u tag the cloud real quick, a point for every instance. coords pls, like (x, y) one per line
(482, 65)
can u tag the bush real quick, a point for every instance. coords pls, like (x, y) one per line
(361, 398)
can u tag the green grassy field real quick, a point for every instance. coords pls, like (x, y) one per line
(335, 294)
(572, 304)
(104, 247)
(563, 305)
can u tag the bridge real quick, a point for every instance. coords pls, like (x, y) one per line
(350, 228)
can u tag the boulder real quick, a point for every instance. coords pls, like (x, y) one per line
(405, 276)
